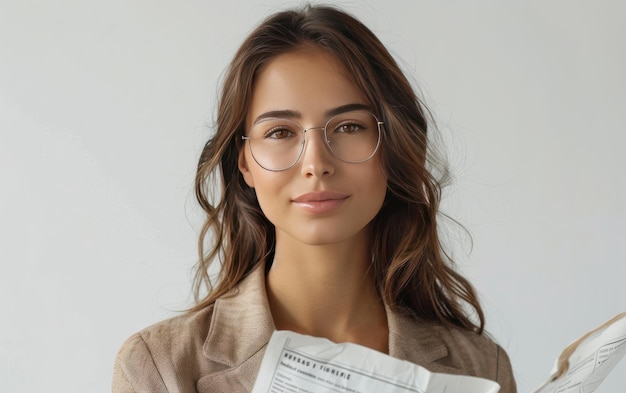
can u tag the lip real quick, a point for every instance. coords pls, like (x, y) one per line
(320, 201)
(318, 196)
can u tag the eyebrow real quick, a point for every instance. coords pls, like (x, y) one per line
(291, 114)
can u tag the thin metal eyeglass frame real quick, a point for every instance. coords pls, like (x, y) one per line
(326, 142)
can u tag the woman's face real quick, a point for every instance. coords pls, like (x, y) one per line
(320, 200)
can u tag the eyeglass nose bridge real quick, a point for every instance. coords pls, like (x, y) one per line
(305, 130)
(304, 141)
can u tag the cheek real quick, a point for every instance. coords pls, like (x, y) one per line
(381, 193)
(268, 187)
(371, 183)
(378, 189)
(379, 179)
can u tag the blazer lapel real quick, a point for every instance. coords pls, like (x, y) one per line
(241, 327)
(417, 342)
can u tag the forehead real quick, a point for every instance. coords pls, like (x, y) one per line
(309, 81)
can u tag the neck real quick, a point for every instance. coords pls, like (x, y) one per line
(327, 291)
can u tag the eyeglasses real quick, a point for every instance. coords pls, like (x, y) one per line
(277, 144)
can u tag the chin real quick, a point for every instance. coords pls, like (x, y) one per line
(322, 239)
(325, 236)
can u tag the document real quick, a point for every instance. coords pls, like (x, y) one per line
(586, 362)
(305, 364)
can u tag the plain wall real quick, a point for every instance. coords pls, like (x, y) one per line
(105, 106)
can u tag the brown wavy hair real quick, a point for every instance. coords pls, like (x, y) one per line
(412, 272)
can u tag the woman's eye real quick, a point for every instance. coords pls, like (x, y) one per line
(278, 133)
(348, 128)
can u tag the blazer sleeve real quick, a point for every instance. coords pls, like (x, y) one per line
(135, 370)
(504, 373)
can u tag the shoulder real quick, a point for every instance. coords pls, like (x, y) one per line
(473, 350)
(478, 355)
(220, 345)
(180, 333)
(449, 349)
(160, 356)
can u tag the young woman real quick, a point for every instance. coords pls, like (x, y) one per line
(325, 223)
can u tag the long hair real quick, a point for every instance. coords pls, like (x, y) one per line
(412, 272)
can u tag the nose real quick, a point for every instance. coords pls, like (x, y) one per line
(317, 159)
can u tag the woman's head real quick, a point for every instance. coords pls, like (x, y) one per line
(310, 153)
(406, 244)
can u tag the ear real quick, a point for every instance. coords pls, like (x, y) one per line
(242, 163)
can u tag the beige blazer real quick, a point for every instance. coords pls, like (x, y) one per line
(220, 348)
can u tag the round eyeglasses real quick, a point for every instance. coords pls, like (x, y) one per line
(277, 144)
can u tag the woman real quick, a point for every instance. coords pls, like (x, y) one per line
(326, 220)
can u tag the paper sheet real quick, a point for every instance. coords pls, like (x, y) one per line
(304, 364)
(586, 362)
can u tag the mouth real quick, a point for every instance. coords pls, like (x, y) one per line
(320, 201)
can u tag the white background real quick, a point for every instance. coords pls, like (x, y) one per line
(104, 107)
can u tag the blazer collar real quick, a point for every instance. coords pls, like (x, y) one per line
(242, 325)
(414, 340)
(242, 322)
